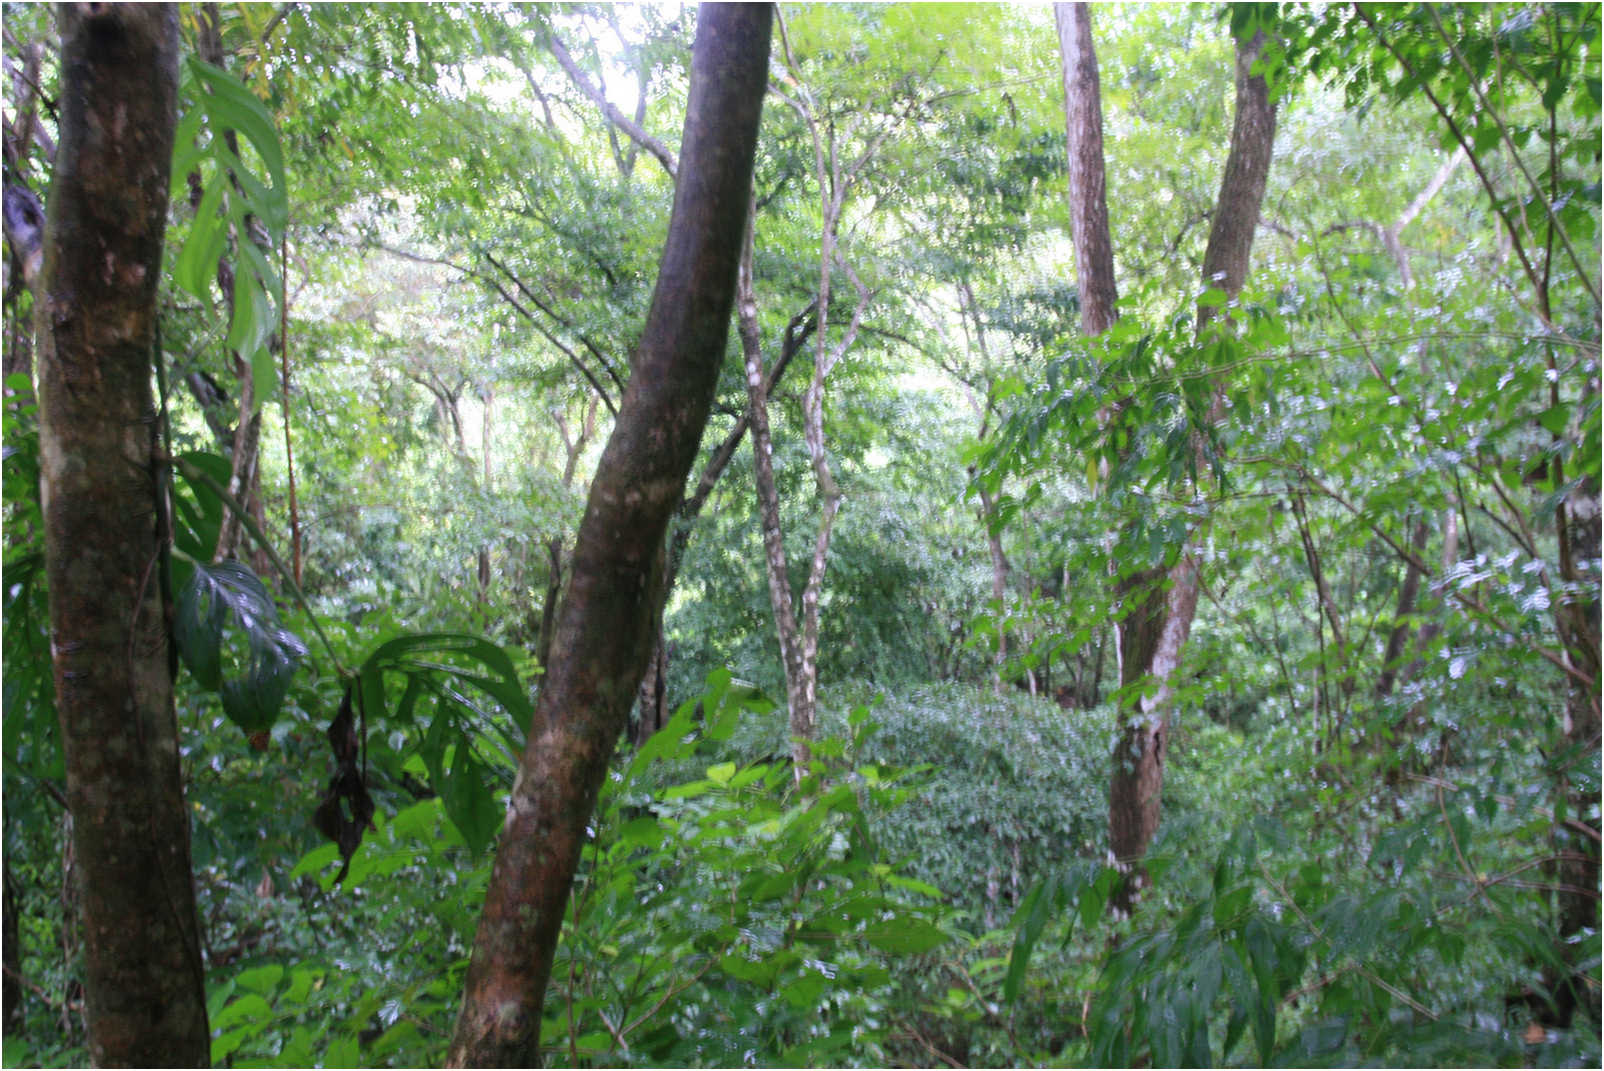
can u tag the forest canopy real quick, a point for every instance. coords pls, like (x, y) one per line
(801, 534)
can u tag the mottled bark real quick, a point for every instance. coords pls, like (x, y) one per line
(768, 497)
(104, 534)
(1088, 200)
(836, 175)
(604, 626)
(1153, 634)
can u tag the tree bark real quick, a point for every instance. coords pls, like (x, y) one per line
(104, 535)
(1578, 868)
(604, 627)
(1088, 199)
(1154, 633)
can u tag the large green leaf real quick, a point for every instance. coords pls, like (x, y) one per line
(455, 668)
(233, 199)
(229, 636)
(197, 515)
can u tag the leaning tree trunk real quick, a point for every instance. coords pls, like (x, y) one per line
(1153, 633)
(104, 531)
(604, 626)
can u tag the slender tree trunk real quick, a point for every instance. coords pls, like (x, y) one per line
(969, 310)
(653, 711)
(104, 534)
(487, 395)
(1154, 634)
(1578, 868)
(768, 496)
(1088, 199)
(604, 627)
(1408, 594)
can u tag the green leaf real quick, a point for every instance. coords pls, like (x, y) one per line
(1031, 918)
(221, 606)
(231, 106)
(196, 266)
(1261, 946)
(906, 936)
(197, 514)
(319, 858)
(262, 979)
(250, 1008)
(469, 799)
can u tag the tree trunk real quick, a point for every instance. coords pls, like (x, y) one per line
(104, 534)
(11, 953)
(604, 627)
(1153, 635)
(1088, 199)
(768, 496)
(1578, 855)
(487, 395)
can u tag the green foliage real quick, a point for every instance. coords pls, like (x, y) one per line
(446, 669)
(739, 917)
(233, 196)
(31, 738)
(933, 893)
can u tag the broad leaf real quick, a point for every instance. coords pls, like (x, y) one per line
(229, 636)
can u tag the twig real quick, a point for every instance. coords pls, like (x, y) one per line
(1357, 964)
(1571, 823)
(1489, 111)
(1464, 864)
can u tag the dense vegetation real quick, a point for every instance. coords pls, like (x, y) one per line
(409, 259)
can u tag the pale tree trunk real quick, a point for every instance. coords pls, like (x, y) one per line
(24, 214)
(604, 627)
(1153, 635)
(653, 712)
(799, 634)
(487, 395)
(768, 496)
(1088, 199)
(105, 529)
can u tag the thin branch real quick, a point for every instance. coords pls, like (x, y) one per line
(1489, 111)
(1358, 965)
(1469, 602)
(1465, 144)
(664, 155)
(495, 284)
(1572, 824)
(273, 23)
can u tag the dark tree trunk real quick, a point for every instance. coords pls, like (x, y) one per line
(1088, 199)
(1408, 594)
(1578, 854)
(104, 532)
(604, 627)
(11, 986)
(1153, 634)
